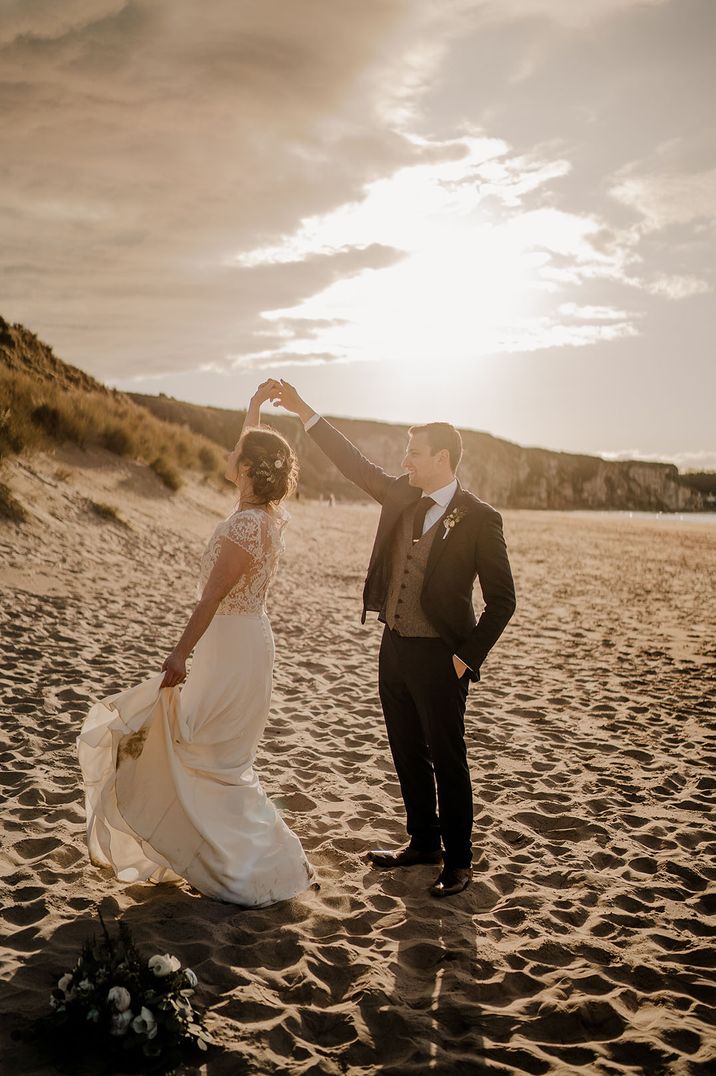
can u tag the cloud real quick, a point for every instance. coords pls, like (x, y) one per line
(48, 20)
(540, 334)
(567, 12)
(145, 144)
(662, 200)
(676, 287)
(509, 181)
(343, 261)
(271, 360)
(704, 460)
(593, 313)
(304, 327)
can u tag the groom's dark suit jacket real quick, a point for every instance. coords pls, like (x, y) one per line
(474, 547)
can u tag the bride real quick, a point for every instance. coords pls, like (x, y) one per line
(171, 792)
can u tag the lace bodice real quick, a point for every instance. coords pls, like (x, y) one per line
(259, 532)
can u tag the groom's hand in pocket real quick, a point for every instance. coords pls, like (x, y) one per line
(459, 666)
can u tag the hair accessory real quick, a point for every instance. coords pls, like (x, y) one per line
(278, 464)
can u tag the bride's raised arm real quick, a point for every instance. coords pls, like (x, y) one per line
(267, 390)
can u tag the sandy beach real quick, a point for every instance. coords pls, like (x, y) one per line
(585, 944)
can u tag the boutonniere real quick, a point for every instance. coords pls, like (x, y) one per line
(453, 519)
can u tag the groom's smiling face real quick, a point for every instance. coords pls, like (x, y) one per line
(426, 469)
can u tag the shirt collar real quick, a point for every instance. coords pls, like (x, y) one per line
(444, 495)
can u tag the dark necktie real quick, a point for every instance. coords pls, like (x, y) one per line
(421, 510)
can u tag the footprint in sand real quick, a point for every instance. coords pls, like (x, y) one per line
(24, 914)
(36, 848)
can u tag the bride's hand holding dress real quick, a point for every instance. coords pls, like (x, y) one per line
(174, 669)
(232, 563)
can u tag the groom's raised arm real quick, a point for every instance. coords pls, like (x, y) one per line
(349, 460)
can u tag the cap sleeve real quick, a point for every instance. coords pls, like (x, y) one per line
(244, 530)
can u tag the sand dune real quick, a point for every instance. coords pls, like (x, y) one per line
(585, 944)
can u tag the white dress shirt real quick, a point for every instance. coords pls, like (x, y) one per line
(442, 498)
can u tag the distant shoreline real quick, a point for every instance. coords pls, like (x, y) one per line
(694, 516)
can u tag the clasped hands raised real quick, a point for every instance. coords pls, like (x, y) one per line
(281, 394)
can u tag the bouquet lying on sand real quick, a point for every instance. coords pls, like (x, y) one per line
(136, 1013)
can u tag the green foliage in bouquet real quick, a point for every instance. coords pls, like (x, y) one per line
(133, 1012)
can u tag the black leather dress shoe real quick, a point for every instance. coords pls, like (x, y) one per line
(403, 857)
(451, 880)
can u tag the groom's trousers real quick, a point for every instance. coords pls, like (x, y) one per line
(424, 708)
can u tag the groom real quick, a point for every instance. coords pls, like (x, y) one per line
(433, 538)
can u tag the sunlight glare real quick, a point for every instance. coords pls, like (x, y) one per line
(476, 275)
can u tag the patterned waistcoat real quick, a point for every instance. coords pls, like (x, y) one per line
(403, 612)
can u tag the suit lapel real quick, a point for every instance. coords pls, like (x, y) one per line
(440, 541)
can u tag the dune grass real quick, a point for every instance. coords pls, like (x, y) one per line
(10, 507)
(164, 471)
(106, 512)
(34, 414)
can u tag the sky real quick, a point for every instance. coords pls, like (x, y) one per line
(497, 213)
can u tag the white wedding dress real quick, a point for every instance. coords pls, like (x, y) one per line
(171, 790)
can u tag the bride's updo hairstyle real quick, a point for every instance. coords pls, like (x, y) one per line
(272, 464)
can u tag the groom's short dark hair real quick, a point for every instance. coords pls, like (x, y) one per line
(442, 435)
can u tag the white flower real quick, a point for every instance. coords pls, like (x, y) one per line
(278, 464)
(190, 977)
(85, 987)
(163, 965)
(64, 982)
(120, 997)
(145, 1024)
(120, 1022)
(184, 1007)
(452, 520)
(92, 1015)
